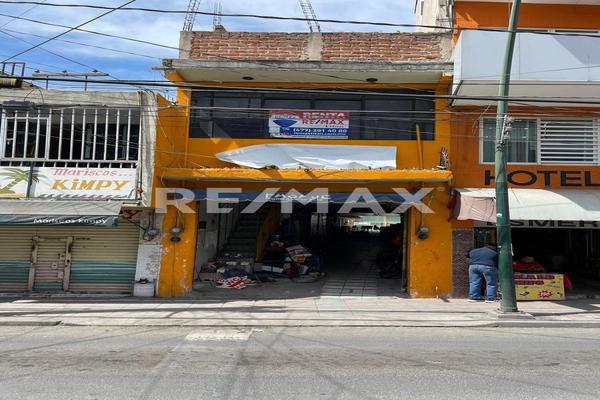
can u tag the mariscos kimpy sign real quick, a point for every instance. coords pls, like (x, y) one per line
(68, 183)
(309, 124)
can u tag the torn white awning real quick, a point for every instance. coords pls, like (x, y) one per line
(313, 156)
(531, 204)
(50, 212)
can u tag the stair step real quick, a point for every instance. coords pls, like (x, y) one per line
(241, 243)
(233, 247)
(242, 235)
(243, 238)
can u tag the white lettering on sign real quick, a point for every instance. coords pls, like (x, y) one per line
(544, 224)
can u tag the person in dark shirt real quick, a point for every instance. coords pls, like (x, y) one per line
(483, 263)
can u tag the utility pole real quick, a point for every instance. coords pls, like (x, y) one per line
(504, 240)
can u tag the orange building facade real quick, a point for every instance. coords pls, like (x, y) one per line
(261, 69)
(552, 153)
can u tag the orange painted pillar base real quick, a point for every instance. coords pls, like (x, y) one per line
(430, 260)
(178, 258)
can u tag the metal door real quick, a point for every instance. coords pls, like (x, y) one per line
(51, 263)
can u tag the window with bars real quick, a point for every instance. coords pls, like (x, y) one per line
(70, 137)
(546, 141)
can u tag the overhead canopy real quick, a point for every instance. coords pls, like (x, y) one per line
(530, 204)
(294, 156)
(310, 176)
(48, 212)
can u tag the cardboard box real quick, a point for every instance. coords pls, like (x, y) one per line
(270, 268)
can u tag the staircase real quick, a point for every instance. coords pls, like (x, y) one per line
(243, 240)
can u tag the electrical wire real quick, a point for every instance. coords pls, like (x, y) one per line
(81, 44)
(23, 13)
(112, 9)
(285, 18)
(255, 62)
(46, 50)
(592, 101)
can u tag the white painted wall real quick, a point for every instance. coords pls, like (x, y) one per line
(432, 12)
(149, 251)
(479, 55)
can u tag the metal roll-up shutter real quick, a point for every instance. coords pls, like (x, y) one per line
(15, 258)
(103, 259)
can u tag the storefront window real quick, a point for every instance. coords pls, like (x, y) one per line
(522, 146)
(371, 116)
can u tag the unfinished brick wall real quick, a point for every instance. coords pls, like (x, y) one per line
(332, 46)
(388, 47)
(247, 45)
(463, 240)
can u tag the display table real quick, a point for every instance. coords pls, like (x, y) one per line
(539, 286)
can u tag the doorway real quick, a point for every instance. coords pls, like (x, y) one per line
(50, 264)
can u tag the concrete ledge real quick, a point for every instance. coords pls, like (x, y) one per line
(510, 316)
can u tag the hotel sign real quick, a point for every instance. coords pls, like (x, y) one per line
(547, 178)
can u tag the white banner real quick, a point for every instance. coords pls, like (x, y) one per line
(69, 183)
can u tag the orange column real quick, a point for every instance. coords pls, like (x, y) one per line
(430, 260)
(178, 258)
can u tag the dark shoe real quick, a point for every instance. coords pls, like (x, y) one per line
(475, 300)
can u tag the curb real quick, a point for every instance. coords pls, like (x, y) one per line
(30, 323)
(475, 324)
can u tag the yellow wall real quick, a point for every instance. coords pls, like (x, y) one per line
(429, 260)
(470, 172)
(178, 259)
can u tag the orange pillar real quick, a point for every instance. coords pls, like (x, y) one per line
(178, 258)
(430, 260)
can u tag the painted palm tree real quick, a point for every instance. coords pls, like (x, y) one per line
(16, 175)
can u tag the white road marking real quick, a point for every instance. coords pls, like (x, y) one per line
(220, 334)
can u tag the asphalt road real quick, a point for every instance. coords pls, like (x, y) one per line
(298, 363)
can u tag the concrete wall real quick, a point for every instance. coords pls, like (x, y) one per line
(150, 249)
(462, 241)
(432, 12)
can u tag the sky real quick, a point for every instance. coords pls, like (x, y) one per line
(58, 55)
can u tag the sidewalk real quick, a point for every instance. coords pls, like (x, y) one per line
(311, 311)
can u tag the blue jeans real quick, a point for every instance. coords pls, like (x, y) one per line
(476, 273)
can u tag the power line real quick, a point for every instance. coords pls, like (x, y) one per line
(147, 83)
(262, 63)
(23, 13)
(255, 62)
(67, 31)
(306, 20)
(81, 44)
(46, 50)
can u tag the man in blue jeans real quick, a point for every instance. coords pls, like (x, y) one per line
(483, 263)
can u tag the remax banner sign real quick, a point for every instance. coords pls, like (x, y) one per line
(309, 124)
